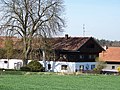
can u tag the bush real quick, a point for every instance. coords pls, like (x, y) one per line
(100, 65)
(43, 69)
(25, 68)
(35, 66)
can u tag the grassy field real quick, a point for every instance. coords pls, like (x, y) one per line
(59, 82)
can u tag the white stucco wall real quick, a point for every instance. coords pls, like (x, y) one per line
(2, 64)
(109, 66)
(72, 66)
(11, 63)
(55, 66)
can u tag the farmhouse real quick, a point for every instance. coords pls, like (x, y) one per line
(70, 54)
(73, 54)
(112, 58)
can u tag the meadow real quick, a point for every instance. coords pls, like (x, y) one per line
(59, 82)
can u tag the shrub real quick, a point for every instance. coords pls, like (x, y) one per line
(43, 69)
(100, 65)
(35, 66)
(25, 68)
(118, 68)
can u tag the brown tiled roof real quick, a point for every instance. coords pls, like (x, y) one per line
(112, 54)
(3, 38)
(70, 43)
(60, 43)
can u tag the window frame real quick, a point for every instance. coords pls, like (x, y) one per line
(5, 62)
(64, 67)
(81, 67)
(49, 66)
(113, 67)
(92, 56)
(92, 66)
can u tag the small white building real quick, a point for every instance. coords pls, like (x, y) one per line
(11, 63)
(112, 58)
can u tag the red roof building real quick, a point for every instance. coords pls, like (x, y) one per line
(112, 54)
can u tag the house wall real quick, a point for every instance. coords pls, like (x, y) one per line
(11, 63)
(110, 66)
(3, 64)
(55, 66)
(91, 46)
(71, 66)
(76, 56)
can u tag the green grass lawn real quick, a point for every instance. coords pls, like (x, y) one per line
(59, 82)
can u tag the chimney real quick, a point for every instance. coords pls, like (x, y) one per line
(66, 36)
(105, 47)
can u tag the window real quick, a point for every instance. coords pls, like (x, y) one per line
(113, 67)
(92, 67)
(81, 57)
(49, 66)
(86, 56)
(17, 65)
(61, 56)
(72, 56)
(92, 56)
(5, 61)
(87, 67)
(81, 67)
(64, 56)
(64, 67)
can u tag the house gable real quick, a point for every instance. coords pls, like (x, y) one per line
(84, 49)
(91, 46)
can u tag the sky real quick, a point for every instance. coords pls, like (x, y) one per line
(100, 17)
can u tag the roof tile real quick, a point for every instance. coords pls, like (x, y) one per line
(112, 54)
(72, 43)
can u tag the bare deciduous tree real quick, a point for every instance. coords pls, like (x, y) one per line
(31, 18)
(8, 47)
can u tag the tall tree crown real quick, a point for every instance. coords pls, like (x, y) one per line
(32, 17)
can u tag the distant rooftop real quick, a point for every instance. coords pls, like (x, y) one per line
(112, 54)
(3, 38)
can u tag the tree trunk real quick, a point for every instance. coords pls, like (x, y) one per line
(25, 61)
(27, 50)
(44, 63)
(25, 58)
